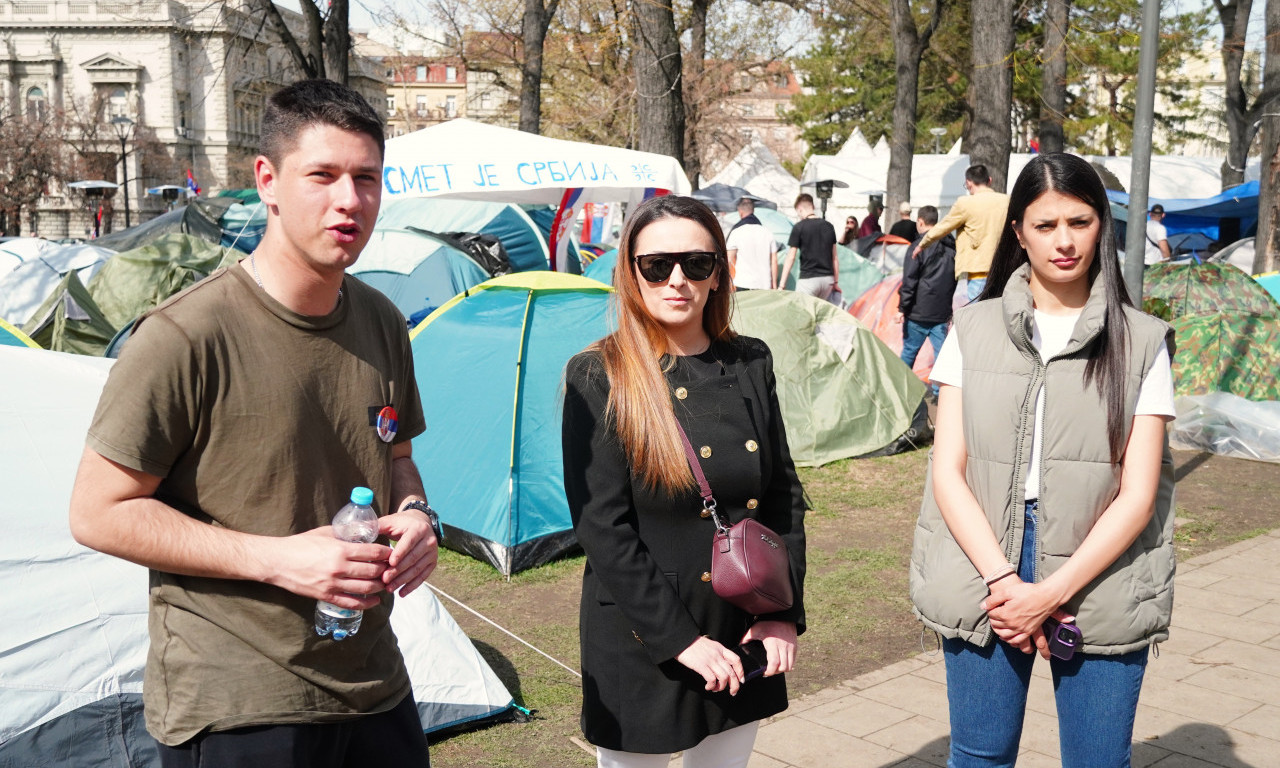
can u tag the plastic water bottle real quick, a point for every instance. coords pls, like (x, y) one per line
(356, 522)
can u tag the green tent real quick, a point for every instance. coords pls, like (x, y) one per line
(843, 392)
(1193, 289)
(1227, 352)
(133, 282)
(70, 321)
(857, 275)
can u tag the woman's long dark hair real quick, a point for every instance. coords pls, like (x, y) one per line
(1071, 175)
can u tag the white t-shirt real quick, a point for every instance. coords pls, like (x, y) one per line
(1050, 334)
(756, 256)
(1155, 233)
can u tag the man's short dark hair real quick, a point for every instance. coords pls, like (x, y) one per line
(803, 197)
(928, 214)
(977, 174)
(1157, 208)
(748, 203)
(294, 108)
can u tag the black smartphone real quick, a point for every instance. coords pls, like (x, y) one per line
(754, 658)
(1063, 639)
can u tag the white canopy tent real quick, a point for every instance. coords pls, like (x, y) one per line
(475, 161)
(939, 179)
(757, 169)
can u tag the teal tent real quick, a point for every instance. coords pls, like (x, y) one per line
(521, 237)
(601, 267)
(12, 337)
(857, 274)
(490, 365)
(415, 270)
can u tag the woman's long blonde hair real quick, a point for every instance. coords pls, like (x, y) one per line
(639, 398)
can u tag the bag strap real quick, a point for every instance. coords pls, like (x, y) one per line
(704, 488)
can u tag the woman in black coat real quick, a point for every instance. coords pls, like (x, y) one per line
(660, 672)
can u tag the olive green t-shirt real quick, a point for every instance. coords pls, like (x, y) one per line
(260, 420)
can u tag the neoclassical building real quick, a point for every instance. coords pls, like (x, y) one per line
(184, 83)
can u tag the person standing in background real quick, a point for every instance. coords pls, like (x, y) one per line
(815, 240)
(904, 227)
(924, 298)
(753, 253)
(1157, 243)
(871, 224)
(979, 219)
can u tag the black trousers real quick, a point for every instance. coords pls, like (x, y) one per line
(388, 740)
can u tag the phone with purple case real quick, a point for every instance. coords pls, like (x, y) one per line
(1063, 638)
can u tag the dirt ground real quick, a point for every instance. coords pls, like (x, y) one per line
(859, 542)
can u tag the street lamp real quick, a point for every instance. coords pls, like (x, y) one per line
(124, 127)
(938, 132)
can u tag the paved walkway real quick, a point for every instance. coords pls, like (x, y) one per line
(1212, 698)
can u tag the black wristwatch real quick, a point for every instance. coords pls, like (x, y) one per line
(426, 509)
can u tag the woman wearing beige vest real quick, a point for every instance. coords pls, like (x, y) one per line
(1049, 495)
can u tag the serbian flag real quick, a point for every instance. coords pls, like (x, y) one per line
(191, 183)
(655, 192)
(565, 216)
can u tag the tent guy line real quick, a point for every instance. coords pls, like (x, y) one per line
(503, 629)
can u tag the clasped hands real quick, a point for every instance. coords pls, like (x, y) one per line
(1017, 610)
(352, 575)
(721, 667)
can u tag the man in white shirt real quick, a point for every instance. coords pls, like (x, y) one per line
(753, 252)
(1157, 245)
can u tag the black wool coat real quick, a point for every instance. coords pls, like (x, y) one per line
(646, 591)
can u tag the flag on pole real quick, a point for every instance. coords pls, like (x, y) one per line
(565, 215)
(191, 183)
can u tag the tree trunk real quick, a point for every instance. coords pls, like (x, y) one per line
(1053, 90)
(991, 136)
(315, 37)
(909, 45)
(1235, 25)
(1267, 243)
(337, 41)
(693, 78)
(296, 53)
(659, 100)
(533, 33)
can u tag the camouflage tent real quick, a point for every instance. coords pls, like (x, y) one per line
(70, 320)
(1227, 352)
(132, 282)
(1193, 289)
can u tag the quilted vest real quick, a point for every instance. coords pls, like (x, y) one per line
(1128, 605)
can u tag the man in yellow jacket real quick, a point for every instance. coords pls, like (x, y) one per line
(979, 219)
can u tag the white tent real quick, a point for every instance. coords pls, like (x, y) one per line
(855, 146)
(72, 655)
(939, 179)
(476, 161)
(25, 287)
(881, 149)
(756, 169)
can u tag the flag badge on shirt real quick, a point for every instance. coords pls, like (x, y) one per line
(386, 422)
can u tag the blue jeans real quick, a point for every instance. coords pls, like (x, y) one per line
(913, 337)
(974, 287)
(1096, 696)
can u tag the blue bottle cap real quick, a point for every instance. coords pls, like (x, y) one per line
(361, 495)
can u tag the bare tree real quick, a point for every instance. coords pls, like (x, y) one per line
(33, 158)
(1053, 93)
(537, 17)
(659, 100)
(327, 37)
(989, 140)
(1240, 115)
(909, 46)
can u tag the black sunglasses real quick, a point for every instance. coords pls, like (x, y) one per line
(657, 267)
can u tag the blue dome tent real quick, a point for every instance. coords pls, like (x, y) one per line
(520, 236)
(415, 270)
(490, 365)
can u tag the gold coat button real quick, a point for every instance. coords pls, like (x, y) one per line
(705, 512)
(706, 576)
(752, 503)
(752, 446)
(705, 451)
(681, 393)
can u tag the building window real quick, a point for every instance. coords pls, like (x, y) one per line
(421, 75)
(391, 105)
(451, 74)
(117, 103)
(423, 108)
(485, 102)
(450, 106)
(182, 118)
(37, 104)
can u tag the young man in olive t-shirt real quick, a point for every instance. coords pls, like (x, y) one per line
(235, 424)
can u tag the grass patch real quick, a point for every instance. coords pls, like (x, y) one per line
(1193, 531)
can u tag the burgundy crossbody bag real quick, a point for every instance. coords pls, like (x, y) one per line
(749, 563)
